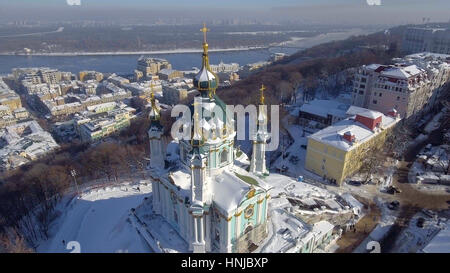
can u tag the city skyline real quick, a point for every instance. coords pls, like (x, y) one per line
(361, 12)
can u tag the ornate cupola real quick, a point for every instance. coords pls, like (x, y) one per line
(206, 81)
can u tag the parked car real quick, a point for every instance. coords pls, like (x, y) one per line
(420, 222)
(394, 205)
(393, 190)
(354, 183)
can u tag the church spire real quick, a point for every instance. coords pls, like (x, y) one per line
(206, 81)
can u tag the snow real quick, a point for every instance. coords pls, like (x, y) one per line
(324, 108)
(402, 72)
(286, 233)
(98, 220)
(230, 190)
(388, 218)
(413, 239)
(440, 243)
(434, 123)
(332, 135)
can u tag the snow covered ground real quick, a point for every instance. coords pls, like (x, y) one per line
(413, 239)
(388, 218)
(98, 221)
(290, 225)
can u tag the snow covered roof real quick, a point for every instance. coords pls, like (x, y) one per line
(402, 72)
(230, 190)
(322, 227)
(440, 243)
(324, 108)
(370, 114)
(354, 110)
(332, 135)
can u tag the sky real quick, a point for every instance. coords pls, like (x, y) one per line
(313, 11)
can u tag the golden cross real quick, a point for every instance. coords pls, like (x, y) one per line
(262, 93)
(204, 30)
(153, 92)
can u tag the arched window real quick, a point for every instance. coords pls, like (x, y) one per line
(248, 229)
(175, 216)
(224, 156)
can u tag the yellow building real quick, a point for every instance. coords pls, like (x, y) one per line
(338, 150)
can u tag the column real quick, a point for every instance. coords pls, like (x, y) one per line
(195, 230)
(258, 218)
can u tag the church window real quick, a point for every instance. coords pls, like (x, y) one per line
(173, 197)
(248, 229)
(175, 216)
(224, 156)
(217, 236)
(249, 211)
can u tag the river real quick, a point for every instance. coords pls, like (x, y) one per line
(125, 64)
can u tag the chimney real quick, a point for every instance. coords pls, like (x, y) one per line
(349, 136)
(393, 113)
(370, 119)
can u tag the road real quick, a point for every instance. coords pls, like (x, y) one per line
(60, 29)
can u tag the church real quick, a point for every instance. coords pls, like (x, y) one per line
(206, 193)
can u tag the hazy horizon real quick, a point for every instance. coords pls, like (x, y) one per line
(350, 12)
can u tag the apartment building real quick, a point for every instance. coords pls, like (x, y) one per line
(412, 85)
(421, 39)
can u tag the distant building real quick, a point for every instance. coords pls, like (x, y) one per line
(277, 56)
(152, 66)
(90, 75)
(169, 74)
(89, 87)
(22, 143)
(421, 39)
(338, 150)
(223, 67)
(173, 95)
(104, 120)
(138, 75)
(8, 97)
(117, 80)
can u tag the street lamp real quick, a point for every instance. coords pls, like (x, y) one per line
(74, 173)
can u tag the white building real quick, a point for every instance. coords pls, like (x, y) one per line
(420, 39)
(411, 86)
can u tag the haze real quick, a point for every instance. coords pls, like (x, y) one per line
(345, 12)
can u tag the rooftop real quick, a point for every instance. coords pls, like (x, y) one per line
(333, 135)
(324, 108)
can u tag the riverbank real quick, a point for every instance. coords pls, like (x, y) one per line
(156, 52)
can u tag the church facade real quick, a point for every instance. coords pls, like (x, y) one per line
(203, 190)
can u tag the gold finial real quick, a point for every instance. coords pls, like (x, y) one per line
(153, 91)
(262, 93)
(204, 30)
(153, 101)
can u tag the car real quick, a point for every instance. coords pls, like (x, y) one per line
(394, 205)
(354, 183)
(393, 190)
(420, 222)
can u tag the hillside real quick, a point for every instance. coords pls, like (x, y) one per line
(308, 67)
